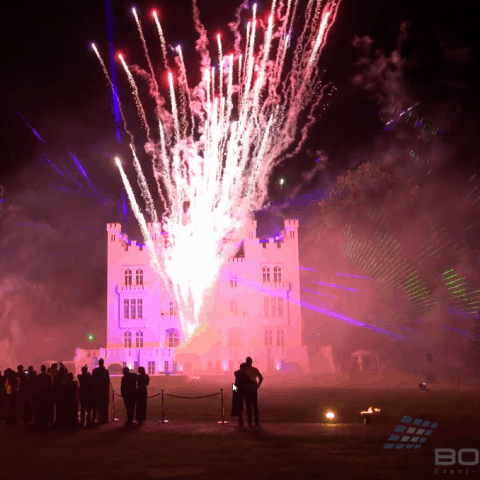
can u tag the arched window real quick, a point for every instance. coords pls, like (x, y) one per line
(127, 339)
(277, 275)
(266, 307)
(280, 338)
(128, 277)
(173, 309)
(235, 338)
(233, 307)
(139, 277)
(266, 274)
(139, 308)
(172, 338)
(133, 308)
(139, 340)
(233, 281)
(280, 307)
(268, 337)
(273, 307)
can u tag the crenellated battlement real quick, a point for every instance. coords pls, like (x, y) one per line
(114, 227)
(291, 223)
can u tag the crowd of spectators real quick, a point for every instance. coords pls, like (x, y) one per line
(55, 396)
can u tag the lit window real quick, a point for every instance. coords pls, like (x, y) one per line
(133, 309)
(174, 367)
(268, 337)
(280, 307)
(128, 277)
(125, 309)
(127, 339)
(234, 339)
(151, 368)
(140, 308)
(233, 307)
(233, 281)
(280, 338)
(273, 306)
(166, 366)
(277, 275)
(139, 339)
(266, 274)
(266, 307)
(172, 338)
(139, 277)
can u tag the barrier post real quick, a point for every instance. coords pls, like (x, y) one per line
(163, 409)
(223, 421)
(115, 419)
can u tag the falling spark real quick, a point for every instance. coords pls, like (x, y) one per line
(162, 39)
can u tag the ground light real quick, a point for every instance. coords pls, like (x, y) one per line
(330, 415)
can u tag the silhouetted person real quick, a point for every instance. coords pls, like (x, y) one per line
(101, 392)
(128, 390)
(142, 382)
(3, 396)
(11, 386)
(23, 394)
(70, 387)
(239, 395)
(53, 372)
(33, 377)
(45, 407)
(251, 387)
(86, 396)
(59, 393)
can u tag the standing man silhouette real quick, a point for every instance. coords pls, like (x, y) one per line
(101, 391)
(238, 397)
(250, 391)
(142, 382)
(86, 396)
(128, 389)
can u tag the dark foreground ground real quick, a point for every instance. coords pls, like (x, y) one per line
(293, 441)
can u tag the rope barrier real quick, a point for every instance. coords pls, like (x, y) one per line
(151, 396)
(163, 394)
(192, 398)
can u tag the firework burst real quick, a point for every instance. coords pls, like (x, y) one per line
(219, 141)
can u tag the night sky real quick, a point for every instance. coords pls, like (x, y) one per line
(51, 75)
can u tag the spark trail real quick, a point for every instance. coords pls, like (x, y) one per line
(215, 171)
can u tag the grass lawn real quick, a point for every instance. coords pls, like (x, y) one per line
(293, 442)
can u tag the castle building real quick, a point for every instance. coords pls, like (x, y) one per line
(256, 309)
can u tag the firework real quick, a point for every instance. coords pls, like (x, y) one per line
(219, 143)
